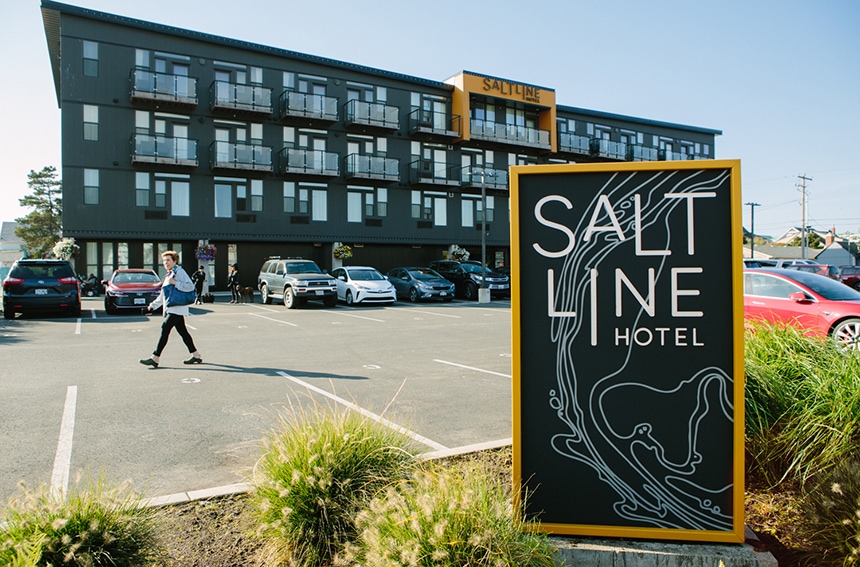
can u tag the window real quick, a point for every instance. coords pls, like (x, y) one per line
(91, 186)
(180, 201)
(256, 195)
(366, 202)
(306, 198)
(320, 205)
(430, 205)
(472, 210)
(160, 193)
(91, 123)
(223, 200)
(91, 59)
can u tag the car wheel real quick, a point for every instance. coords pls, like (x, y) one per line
(349, 299)
(413, 295)
(264, 293)
(330, 301)
(471, 292)
(290, 298)
(847, 334)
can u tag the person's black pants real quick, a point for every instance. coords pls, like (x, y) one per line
(171, 321)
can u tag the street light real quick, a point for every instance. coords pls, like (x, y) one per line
(484, 173)
(752, 207)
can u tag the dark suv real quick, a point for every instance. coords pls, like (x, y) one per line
(41, 285)
(850, 276)
(466, 277)
(295, 281)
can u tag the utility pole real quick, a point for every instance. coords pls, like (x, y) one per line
(752, 207)
(804, 238)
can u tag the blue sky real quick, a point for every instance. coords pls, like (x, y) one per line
(781, 79)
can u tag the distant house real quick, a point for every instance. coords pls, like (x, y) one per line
(796, 232)
(11, 247)
(837, 251)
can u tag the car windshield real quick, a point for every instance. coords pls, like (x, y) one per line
(850, 271)
(136, 277)
(303, 268)
(424, 274)
(365, 275)
(474, 268)
(825, 287)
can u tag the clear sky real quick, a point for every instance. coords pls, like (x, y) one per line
(780, 78)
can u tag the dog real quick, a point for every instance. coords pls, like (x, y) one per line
(246, 293)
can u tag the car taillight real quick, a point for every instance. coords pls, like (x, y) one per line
(10, 281)
(68, 281)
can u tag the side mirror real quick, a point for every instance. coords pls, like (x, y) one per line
(799, 297)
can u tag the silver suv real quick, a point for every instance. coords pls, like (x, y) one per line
(295, 281)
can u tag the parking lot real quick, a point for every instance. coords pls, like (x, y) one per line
(74, 396)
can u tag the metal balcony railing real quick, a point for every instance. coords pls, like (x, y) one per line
(309, 162)
(434, 123)
(668, 155)
(573, 143)
(641, 153)
(510, 134)
(375, 114)
(227, 155)
(305, 105)
(250, 98)
(146, 85)
(608, 149)
(372, 167)
(429, 172)
(163, 150)
(494, 178)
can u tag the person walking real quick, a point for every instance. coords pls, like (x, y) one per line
(198, 278)
(174, 315)
(233, 283)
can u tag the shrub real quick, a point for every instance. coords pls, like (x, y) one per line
(316, 473)
(458, 516)
(833, 507)
(95, 525)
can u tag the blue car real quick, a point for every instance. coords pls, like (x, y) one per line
(41, 285)
(417, 284)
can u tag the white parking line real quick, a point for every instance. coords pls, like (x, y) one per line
(358, 316)
(364, 412)
(78, 326)
(63, 458)
(275, 320)
(434, 313)
(472, 368)
(93, 313)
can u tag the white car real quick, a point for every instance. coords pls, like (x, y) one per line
(363, 284)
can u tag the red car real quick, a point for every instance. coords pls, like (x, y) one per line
(831, 272)
(131, 289)
(816, 303)
(850, 276)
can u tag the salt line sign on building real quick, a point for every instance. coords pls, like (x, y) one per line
(628, 349)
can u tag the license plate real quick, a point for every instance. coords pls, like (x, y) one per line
(41, 291)
(495, 286)
(140, 301)
(319, 292)
(443, 293)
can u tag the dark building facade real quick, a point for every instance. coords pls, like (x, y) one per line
(172, 138)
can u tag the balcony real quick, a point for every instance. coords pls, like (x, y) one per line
(163, 150)
(242, 157)
(608, 149)
(510, 134)
(302, 105)
(641, 153)
(371, 167)
(309, 162)
(177, 90)
(371, 114)
(428, 172)
(495, 178)
(571, 143)
(667, 155)
(427, 124)
(243, 98)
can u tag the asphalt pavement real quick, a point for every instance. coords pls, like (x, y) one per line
(73, 397)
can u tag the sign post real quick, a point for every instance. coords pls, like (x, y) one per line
(628, 349)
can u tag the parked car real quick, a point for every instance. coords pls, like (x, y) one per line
(295, 281)
(131, 289)
(363, 284)
(416, 284)
(41, 285)
(812, 302)
(467, 278)
(825, 270)
(850, 276)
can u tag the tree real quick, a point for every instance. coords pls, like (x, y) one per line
(813, 240)
(44, 225)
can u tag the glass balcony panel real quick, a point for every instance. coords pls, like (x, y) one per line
(144, 81)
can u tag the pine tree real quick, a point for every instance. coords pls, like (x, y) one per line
(44, 225)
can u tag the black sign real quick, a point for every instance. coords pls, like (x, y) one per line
(628, 349)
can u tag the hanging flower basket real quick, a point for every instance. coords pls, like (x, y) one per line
(205, 252)
(459, 254)
(66, 249)
(342, 252)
